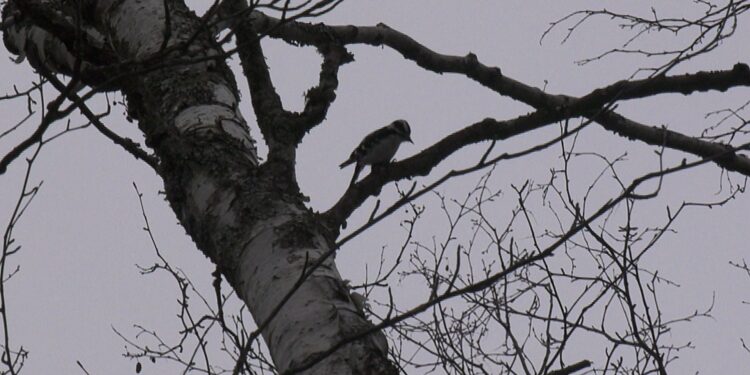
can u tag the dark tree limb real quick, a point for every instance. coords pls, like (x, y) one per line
(578, 366)
(492, 77)
(629, 192)
(36, 137)
(422, 163)
(553, 107)
(723, 155)
(127, 144)
(320, 97)
(53, 114)
(266, 101)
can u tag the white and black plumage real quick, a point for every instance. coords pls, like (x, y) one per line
(378, 147)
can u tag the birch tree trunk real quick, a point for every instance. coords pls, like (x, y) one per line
(249, 218)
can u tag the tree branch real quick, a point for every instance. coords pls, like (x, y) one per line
(492, 77)
(629, 192)
(422, 163)
(572, 368)
(551, 107)
(266, 101)
(126, 143)
(53, 114)
(722, 154)
(320, 97)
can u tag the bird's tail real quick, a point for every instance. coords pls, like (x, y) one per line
(344, 164)
(357, 169)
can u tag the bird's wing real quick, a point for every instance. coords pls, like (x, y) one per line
(374, 136)
(367, 143)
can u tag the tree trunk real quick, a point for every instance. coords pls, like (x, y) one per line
(248, 218)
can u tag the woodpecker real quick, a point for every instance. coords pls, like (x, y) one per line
(378, 147)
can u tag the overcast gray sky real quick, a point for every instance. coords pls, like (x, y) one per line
(83, 234)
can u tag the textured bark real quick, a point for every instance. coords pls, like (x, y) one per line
(248, 218)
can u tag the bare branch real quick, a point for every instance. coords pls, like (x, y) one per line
(127, 144)
(320, 97)
(53, 114)
(707, 30)
(265, 99)
(552, 107)
(571, 369)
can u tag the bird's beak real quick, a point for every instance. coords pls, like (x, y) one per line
(408, 139)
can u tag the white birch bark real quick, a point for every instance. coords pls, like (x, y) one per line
(247, 217)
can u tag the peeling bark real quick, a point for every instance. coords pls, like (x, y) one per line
(248, 218)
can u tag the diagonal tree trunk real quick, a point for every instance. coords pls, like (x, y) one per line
(249, 218)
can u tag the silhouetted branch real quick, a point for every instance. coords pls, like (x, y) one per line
(127, 144)
(706, 31)
(578, 366)
(49, 118)
(320, 97)
(551, 108)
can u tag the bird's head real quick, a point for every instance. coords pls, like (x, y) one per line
(402, 128)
